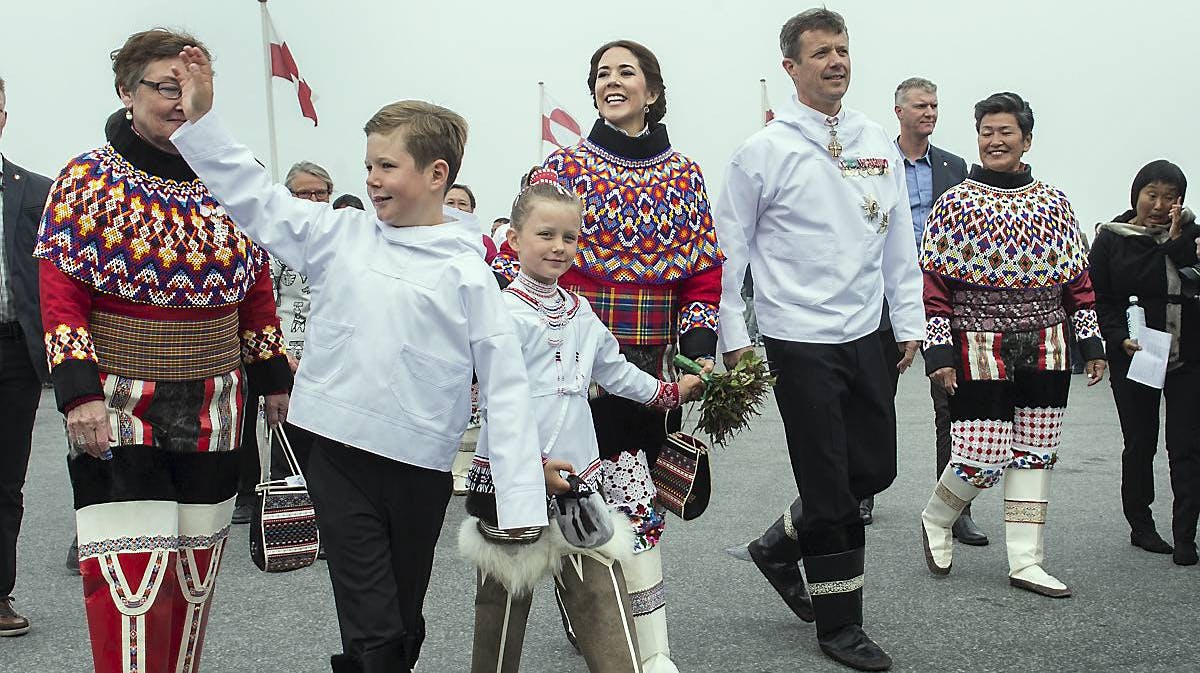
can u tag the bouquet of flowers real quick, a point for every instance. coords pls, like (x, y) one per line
(730, 397)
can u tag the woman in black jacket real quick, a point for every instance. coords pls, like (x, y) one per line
(1150, 252)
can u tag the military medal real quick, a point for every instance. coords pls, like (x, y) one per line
(863, 167)
(873, 212)
(834, 147)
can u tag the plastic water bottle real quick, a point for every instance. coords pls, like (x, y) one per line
(1135, 318)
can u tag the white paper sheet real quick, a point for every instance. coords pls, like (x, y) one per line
(1149, 365)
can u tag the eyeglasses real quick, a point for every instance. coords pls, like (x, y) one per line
(168, 90)
(312, 194)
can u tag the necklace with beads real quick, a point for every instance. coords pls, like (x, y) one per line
(551, 304)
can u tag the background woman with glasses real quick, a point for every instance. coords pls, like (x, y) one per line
(157, 312)
(309, 181)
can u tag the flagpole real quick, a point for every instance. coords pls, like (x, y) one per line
(537, 157)
(266, 46)
(763, 104)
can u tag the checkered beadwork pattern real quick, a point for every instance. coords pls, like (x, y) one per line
(1087, 324)
(67, 343)
(262, 344)
(981, 443)
(643, 221)
(1003, 238)
(1038, 428)
(697, 314)
(143, 238)
(937, 332)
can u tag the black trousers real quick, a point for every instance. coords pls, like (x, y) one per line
(19, 394)
(380, 520)
(250, 469)
(941, 426)
(892, 355)
(1137, 408)
(840, 423)
(301, 441)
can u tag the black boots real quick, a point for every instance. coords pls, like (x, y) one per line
(777, 555)
(966, 532)
(1151, 541)
(866, 510)
(392, 657)
(836, 582)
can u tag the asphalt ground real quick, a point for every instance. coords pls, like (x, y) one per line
(1132, 611)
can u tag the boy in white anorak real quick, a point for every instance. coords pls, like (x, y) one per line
(404, 308)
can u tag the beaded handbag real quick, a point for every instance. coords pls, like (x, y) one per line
(683, 476)
(283, 528)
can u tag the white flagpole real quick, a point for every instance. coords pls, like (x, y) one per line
(764, 105)
(537, 157)
(266, 45)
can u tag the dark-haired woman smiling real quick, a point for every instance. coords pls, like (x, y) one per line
(1005, 270)
(649, 266)
(1140, 254)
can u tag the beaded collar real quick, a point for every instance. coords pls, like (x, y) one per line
(555, 305)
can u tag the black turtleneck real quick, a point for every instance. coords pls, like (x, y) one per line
(1015, 180)
(144, 156)
(638, 148)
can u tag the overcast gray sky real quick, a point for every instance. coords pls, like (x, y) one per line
(1112, 84)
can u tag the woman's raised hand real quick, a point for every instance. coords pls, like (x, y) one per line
(195, 78)
(1176, 216)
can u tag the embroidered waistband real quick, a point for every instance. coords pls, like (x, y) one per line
(166, 350)
(1007, 310)
(500, 536)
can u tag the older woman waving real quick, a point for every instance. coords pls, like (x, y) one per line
(156, 310)
(1005, 269)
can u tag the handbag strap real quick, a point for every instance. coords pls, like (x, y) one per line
(286, 446)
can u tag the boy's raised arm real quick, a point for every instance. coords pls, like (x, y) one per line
(298, 232)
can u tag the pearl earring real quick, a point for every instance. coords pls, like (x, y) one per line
(129, 115)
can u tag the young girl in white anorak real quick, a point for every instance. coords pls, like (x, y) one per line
(566, 349)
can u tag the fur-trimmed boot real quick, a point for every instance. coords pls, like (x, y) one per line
(500, 619)
(1026, 495)
(595, 595)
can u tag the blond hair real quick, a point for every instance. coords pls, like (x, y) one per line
(431, 132)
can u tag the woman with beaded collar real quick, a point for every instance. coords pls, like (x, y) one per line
(157, 310)
(649, 265)
(1005, 269)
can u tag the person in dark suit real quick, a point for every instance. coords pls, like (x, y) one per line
(929, 171)
(22, 358)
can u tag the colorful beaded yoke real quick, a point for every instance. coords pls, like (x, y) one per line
(643, 221)
(1003, 238)
(143, 238)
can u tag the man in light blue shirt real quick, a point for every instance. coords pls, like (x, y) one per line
(929, 171)
(918, 174)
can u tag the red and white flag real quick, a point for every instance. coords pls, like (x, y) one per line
(558, 127)
(283, 66)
